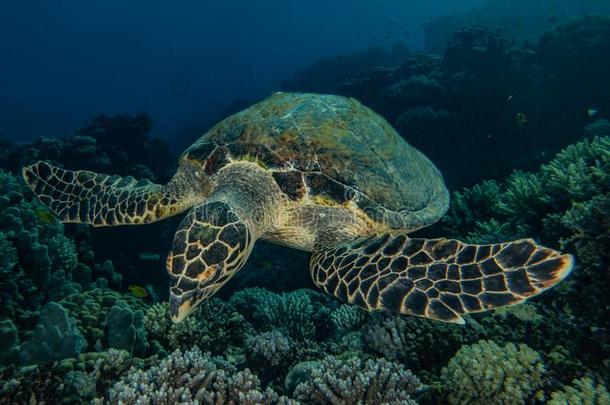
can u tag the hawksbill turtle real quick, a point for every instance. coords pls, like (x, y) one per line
(323, 174)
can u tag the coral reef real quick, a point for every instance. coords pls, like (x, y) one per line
(566, 201)
(354, 381)
(565, 204)
(485, 373)
(71, 296)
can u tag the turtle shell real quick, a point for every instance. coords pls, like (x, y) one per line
(330, 150)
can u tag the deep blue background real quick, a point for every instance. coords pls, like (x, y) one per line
(181, 61)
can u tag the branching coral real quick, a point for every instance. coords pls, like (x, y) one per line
(485, 373)
(354, 381)
(186, 377)
(269, 348)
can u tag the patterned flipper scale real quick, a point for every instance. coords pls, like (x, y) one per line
(437, 278)
(99, 199)
(211, 244)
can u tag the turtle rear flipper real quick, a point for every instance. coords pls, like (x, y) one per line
(102, 200)
(437, 278)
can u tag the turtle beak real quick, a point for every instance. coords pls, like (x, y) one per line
(180, 306)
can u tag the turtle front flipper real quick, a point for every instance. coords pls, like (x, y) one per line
(436, 278)
(103, 200)
(212, 243)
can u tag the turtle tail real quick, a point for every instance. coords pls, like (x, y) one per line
(103, 200)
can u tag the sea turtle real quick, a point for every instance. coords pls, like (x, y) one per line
(319, 173)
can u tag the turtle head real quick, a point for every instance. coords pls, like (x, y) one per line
(187, 293)
(183, 302)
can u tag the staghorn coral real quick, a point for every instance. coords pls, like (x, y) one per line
(485, 373)
(185, 377)
(157, 321)
(583, 391)
(355, 381)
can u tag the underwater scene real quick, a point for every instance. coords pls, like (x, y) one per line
(322, 202)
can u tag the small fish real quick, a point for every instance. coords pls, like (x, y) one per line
(592, 112)
(149, 257)
(44, 216)
(138, 291)
(521, 118)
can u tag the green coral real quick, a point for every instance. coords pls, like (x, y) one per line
(583, 391)
(125, 330)
(40, 262)
(486, 373)
(529, 204)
